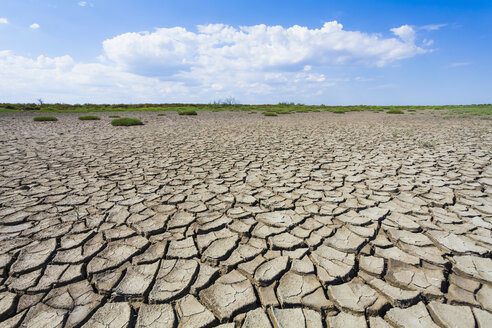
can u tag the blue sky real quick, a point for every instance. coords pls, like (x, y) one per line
(313, 52)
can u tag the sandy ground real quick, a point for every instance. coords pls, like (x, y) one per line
(302, 220)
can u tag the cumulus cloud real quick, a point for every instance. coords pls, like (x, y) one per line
(34, 26)
(252, 63)
(61, 79)
(259, 47)
(405, 32)
(4, 20)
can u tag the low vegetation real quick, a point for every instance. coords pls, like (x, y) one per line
(45, 118)
(460, 111)
(89, 118)
(428, 143)
(270, 113)
(114, 116)
(483, 112)
(126, 121)
(188, 111)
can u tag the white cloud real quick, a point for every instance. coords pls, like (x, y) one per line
(60, 79)
(405, 32)
(427, 42)
(85, 4)
(260, 47)
(34, 26)
(432, 27)
(4, 20)
(252, 63)
(460, 64)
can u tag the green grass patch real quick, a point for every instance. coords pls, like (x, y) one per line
(187, 111)
(395, 111)
(7, 110)
(126, 121)
(114, 116)
(89, 118)
(467, 112)
(45, 119)
(428, 143)
(269, 113)
(161, 114)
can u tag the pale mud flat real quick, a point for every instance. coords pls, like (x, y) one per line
(240, 220)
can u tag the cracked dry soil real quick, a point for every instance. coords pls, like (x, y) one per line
(303, 220)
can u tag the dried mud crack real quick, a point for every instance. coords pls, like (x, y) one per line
(236, 220)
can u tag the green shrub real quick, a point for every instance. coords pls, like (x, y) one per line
(126, 121)
(45, 118)
(187, 111)
(269, 113)
(395, 111)
(89, 118)
(428, 143)
(114, 116)
(339, 111)
(161, 114)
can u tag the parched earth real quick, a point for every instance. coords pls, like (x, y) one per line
(241, 220)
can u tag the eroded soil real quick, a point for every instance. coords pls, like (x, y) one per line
(303, 220)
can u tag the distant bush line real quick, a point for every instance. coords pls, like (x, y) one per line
(483, 110)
